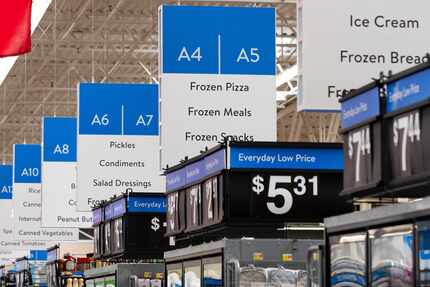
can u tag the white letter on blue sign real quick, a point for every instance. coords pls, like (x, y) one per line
(141, 120)
(185, 55)
(243, 56)
(103, 121)
(30, 172)
(62, 149)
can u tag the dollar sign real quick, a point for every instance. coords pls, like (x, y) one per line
(258, 184)
(155, 224)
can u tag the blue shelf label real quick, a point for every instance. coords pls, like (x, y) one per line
(98, 216)
(286, 158)
(147, 204)
(59, 139)
(27, 163)
(5, 182)
(194, 172)
(360, 108)
(118, 109)
(408, 91)
(38, 255)
(218, 40)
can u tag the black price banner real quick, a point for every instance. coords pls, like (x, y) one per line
(362, 157)
(285, 196)
(406, 145)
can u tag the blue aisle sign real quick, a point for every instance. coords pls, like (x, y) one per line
(27, 163)
(286, 158)
(149, 204)
(5, 182)
(118, 109)
(218, 40)
(408, 91)
(59, 139)
(360, 108)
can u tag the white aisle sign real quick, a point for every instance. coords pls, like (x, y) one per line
(345, 43)
(9, 246)
(27, 201)
(59, 175)
(218, 77)
(118, 141)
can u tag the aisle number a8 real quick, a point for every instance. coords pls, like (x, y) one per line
(62, 149)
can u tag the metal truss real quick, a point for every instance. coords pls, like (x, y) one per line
(117, 41)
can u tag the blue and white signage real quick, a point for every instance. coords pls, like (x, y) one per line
(118, 141)
(27, 202)
(408, 91)
(286, 158)
(59, 136)
(5, 182)
(218, 73)
(6, 207)
(360, 108)
(196, 171)
(148, 204)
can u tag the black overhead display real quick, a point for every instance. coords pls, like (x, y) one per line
(407, 136)
(362, 135)
(386, 142)
(131, 227)
(253, 189)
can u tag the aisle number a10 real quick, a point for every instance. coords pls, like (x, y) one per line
(30, 172)
(250, 55)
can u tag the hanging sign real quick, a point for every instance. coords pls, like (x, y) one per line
(59, 175)
(10, 248)
(118, 141)
(358, 40)
(218, 72)
(27, 202)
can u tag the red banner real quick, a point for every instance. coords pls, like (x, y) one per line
(15, 27)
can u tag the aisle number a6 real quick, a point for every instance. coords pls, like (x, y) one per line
(30, 172)
(100, 120)
(62, 149)
(252, 55)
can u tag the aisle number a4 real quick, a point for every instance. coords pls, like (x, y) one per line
(30, 172)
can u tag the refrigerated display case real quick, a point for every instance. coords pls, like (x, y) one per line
(239, 262)
(126, 274)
